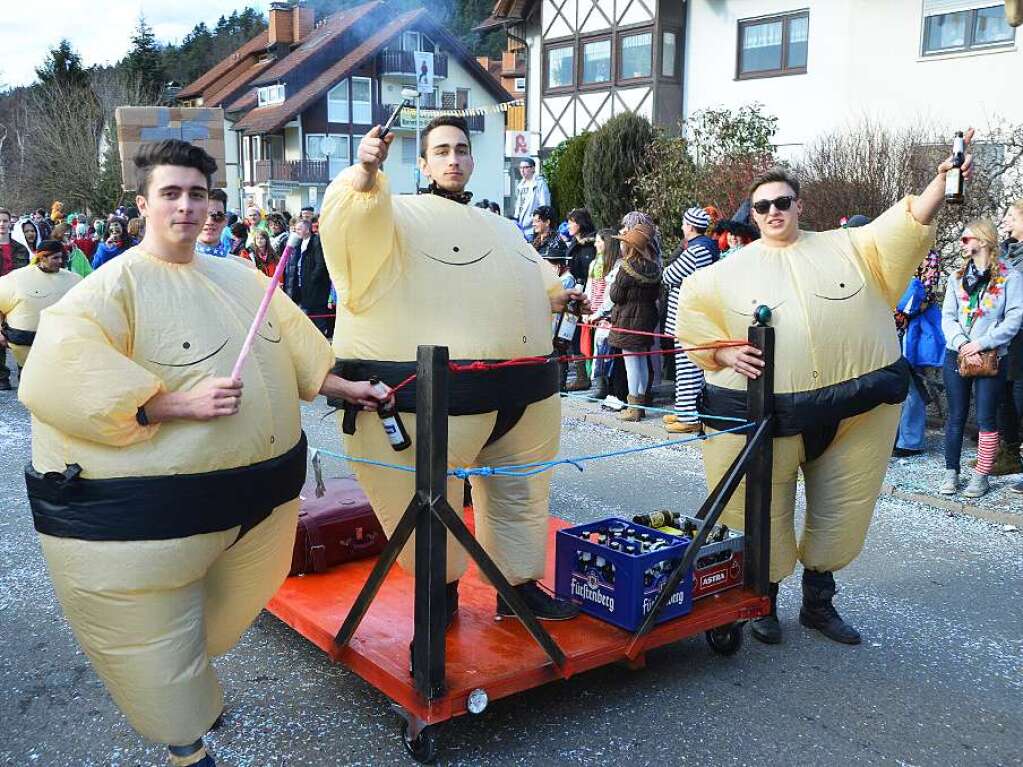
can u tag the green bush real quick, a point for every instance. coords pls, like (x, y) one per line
(614, 160)
(563, 170)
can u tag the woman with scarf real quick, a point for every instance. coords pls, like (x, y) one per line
(634, 292)
(262, 252)
(278, 234)
(981, 314)
(116, 242)
(918, 320)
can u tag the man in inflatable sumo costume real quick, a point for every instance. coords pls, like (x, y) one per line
(432, 269)
(839, 374)
(165, 501)
(24, 293)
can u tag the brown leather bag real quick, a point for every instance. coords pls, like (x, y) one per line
(337, 526)
(986, 368)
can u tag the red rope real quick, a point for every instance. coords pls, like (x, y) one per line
(626, 330)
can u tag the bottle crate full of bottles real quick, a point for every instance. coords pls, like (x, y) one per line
(719, 565)
(614, 569)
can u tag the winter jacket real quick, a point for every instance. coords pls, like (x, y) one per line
(19, 257)
(923, 344)
(106, 253)
(551, 250)
(635, 291)
(999, 322)
(580, 254)
(1012, 252)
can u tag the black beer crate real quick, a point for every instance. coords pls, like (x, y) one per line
(623, 591)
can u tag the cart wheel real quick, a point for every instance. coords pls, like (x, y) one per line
(725, 640)
(423, 747)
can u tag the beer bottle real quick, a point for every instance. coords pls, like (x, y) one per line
(567, 322)
(721, 534)
(659, 518)
(954, 177)
(390, 418)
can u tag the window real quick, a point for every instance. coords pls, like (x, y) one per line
(636, 56)
(447, 100)
(668, 54)
(431, 100)
(967, 29)
(462, 98)
(596, 61)
(408, 150)
(774, 46)
(362, 100)
(560, 66)
(520, 83)
(337, 103)
(271, 94)
(416, 41)
(356, 140)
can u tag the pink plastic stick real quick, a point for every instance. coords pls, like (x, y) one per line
(264, 307)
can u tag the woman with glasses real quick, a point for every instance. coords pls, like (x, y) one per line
(981, 314)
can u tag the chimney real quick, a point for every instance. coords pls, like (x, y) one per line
(282, 28)
(303, 22)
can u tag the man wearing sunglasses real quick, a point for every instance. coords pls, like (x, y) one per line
(209, 242)
(839, 374)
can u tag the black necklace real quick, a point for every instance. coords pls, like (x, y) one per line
(459, 197)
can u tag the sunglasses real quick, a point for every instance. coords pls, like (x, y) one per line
(218, 217)
(781, 203)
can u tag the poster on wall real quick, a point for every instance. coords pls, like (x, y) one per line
(520, 143)
(424, 71)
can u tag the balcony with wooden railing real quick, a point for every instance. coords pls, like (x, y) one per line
(291, 171)
(403, 63)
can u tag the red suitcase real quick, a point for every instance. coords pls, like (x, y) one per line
(337, 527)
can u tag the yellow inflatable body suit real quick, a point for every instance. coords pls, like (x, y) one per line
(165, 541)
(24, 293)
(839, 374)
(427, 270)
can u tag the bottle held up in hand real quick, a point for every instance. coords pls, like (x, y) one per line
(390, 418)
(954, 177)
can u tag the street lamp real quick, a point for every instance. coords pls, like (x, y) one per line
(411, 94)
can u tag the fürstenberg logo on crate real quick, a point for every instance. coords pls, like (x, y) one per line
(590, 592)
(676, 599)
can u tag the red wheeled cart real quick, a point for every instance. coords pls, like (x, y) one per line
(480, 659)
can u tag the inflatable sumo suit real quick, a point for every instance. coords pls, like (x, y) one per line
(165, 541)
(839, 374)
(24, 293)
(429, 270)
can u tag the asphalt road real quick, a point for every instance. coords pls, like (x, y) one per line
(938, 680)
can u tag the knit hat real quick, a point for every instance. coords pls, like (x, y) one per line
(47, 247)
(639, 238)
(856, 221)
(697, 217)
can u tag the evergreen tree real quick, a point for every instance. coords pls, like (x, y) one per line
(63, 67)
(144, 61)
(613, 162)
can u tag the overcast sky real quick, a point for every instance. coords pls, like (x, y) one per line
(99, 30)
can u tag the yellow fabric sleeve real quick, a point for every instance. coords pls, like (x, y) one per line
(551, 281)
(891, 247)
(81, 380)
(360, 243)
(6, 294)
(700, 321)
(310, 351)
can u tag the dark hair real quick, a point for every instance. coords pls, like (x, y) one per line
(582, 217)
(495, 208)
(171, 152)
(4, 210)
(545, 212)
(41, 211)
(612, 249)
(777, 174)
(528, 161)
(439, 122)
(277, 218)
(239, 230)
(310, 208)
(219, 195)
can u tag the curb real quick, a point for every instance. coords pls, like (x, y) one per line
(651, 429)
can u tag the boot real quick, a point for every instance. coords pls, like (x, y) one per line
(977, 486)
(817, 611)
(601, 383)
(582, 378)
(563, 376)
(768, 629)
(683, 427)
(632, 413)
(1006, 462)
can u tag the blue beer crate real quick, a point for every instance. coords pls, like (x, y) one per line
(624, 589)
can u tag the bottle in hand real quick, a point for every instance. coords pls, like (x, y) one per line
(954, 177)
(390, 419)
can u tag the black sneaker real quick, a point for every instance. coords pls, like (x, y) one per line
(544, 605)
(905, 452)
(5, 385)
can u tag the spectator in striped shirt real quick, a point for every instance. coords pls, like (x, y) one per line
(700, 251)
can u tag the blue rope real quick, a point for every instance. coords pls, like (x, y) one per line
(653, 409)
(532, 469)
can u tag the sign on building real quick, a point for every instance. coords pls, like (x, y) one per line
(520, 143)
(424, 71)
(141, 125)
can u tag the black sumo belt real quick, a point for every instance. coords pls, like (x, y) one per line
(17, 337)
(507, 391)
(814, 415)
(65, 505)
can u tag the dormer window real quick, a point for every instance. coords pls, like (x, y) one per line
(417, 41)
(271, 94)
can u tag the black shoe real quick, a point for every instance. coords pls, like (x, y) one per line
(905, 452)
(5, 385)
(601, 391)
(768, 629)
(544, 606)
(817, 611)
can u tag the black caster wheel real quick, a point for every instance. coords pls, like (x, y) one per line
(423, 747)
(725, 640)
